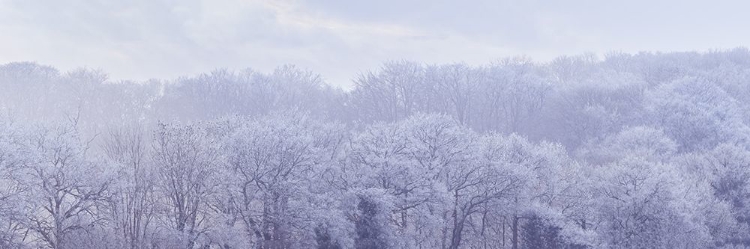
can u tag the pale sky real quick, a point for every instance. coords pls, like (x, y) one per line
(142, 39)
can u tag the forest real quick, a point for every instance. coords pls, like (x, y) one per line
(620, 150)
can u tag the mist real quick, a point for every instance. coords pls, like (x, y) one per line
(311, 124)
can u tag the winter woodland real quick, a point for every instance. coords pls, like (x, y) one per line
(646, 150)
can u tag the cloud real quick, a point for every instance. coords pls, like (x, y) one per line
(143, 39)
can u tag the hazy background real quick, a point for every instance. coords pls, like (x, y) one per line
(144, 39)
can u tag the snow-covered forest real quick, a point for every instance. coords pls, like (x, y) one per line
(646, 150)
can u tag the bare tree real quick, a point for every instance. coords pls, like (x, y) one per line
(275, 162)
(133, 201)
(67, 192)
(187, 159)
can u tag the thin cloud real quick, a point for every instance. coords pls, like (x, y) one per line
(165, 38)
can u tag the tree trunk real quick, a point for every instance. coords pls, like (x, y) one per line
(514, 230)
(458, 228)
(504, 231)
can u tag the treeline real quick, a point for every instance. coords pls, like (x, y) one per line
(629, 151)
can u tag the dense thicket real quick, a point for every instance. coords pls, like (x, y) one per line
(628, 151)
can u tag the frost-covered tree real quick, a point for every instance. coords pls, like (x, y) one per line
(67, 191)
(639, 207)
(187, 159)
(276, 165)
(133, 203)
(14, 154)
(646, 150)
(697, 114)
(393, 93)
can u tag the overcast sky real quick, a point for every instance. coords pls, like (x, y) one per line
(142, 39)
